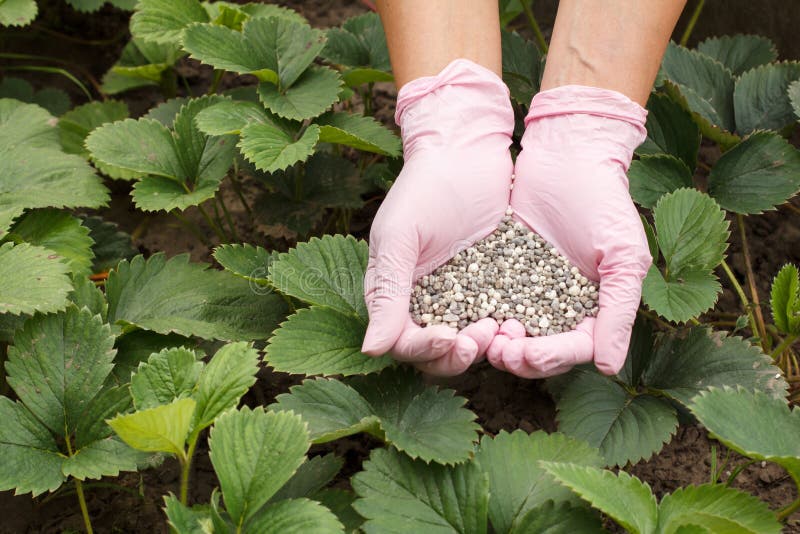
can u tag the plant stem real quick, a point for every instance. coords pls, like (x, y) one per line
(537, 31)
(186, 465)
(169, 83)
(692, 21)
(656, 319)
(228, 218)
(742, 296)
(84, 510)
(785, 344)
(191, 227)
(751, 281)
(210, 223)
(238, 188)
(212, 90)
(786, 511)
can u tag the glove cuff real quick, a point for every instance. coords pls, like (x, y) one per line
(569, 99)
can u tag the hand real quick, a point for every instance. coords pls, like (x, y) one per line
(453, 190)
(571, 188)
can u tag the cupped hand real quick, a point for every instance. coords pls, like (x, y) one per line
(453, 190)
(571, 188)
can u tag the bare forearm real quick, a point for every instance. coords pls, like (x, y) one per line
(425, 35)
(613, 44)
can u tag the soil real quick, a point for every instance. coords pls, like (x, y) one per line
(132, 503)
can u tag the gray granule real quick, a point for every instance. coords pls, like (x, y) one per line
(512, 273)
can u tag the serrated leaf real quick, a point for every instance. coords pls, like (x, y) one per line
(681, 297)
(794, 97)
(718, 507)
(183, 519)
(295, 516)
(522, 66)
(310, 477)
(739, 53)
(670, 130)
(626, 428)
(31, 460)
(625, 498)
(785, 300)
(331, 408)
(231, 116)
(60, 232)
(400, 495)
(163, 21)
(314, 92)
(651, 177)
(518, 484)
(255, 10)
(167, 111)
(245, 260)
(423, 421)
(254, 453)
(58, 364)
(761, 172)
(271, 149)
(363, 133)
(112, 400)
(17, 12)
(276, 49)
(76, 124)
(340, 502)
(160, 429)
(322, 341)
(173, 295)
(21, 263)
(136, 347)
(26, 125)
(104, 457)
(223, 382)
(167, 375)
(771, 432)
(640, 352)
(686, 363)
(652, 240)
(359, 49)
(761, 100)
(86, 294)
(704, 82)
(142, 63)
(561, 518)
(111, 245)
(55, 101)
(44, 178)
(327, 271)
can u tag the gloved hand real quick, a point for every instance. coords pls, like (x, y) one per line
(571, 188)
(453, 190)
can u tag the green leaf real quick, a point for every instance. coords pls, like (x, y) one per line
(136, 347)
(518, 484)
(310, 477)
(705, 83)
(187, 165)
(276, 49)
(686, 363)
(223, 382)
(400, 495)
(363, 133)
(26, 125)
(522, 66)
(163, 21)
(254, 453)
(739, 53)
(340, 502)
(652, 240)
(255, 10)
(245, 260)
(295, 516)
(321, 341)
(168, 375)
(76, 124)
(785, 300)
(22, 263)
(271, 149)
(111, 245)
(92, 427)
(625, 498)
(183, 519)
(561, 518)
(55, 101)
(331, 408)
(160, 429)
(651, 177)
(40, 178)
(174, 295)
(31, 460)
(86, 294)
(670, 130)
(142, 63)
(761, 100)
(626, 428)
(17, 12)
(794, 97)
(327, 271)
(771, 432)
(60, 232)
(231, 116)
(682, 297)
(761, 172)
(104, 457)
(315, 91)
(359, 49)
(422, 421)
(58, 364)
(717, 507)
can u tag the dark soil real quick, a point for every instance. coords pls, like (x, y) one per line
(132, 503)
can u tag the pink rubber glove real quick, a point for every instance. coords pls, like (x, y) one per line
(453, 190)
(571, 188)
